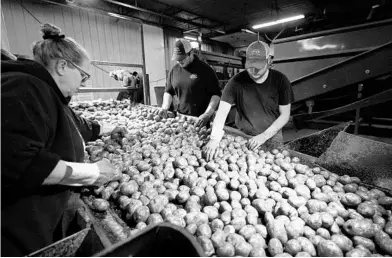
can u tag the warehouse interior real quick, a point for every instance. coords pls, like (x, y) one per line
(337, 56)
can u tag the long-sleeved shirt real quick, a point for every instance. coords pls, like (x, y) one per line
(38, 129)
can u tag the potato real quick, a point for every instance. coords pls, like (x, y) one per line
(262, 230)
(297, 202)
(324, 233)
(176, 220)
(183, 196)
(277, 230)
(218, 238)
(316, 206)
(315, 221)
(351, 200)
(257, 252)
(327, 220)
(206, 244)
(141, 214)
(238, 223)
(366, 210)
(225, 250)
(307, 246)
(225, 206)
(222, 194)
(384, 242)
(385, 201)
(243, 190)
(302, 190)
(243, 249)
(247, 231)
(100, 205)
(303, 254)
(229, 229)
(308, 232)
(388, 228)
(211, 212)
(171, 194)
(315, 239)
(335, 229)
(319, 180)
(292, 247)
(217, 224)
(275, 247)
(154, 218)
(238, 213)
(157, 204)
(366, 242)
(226, 217)
(236, 205)
(263, 206)
(327, 248)
(358, 252)
(197, 218)
(359, 227)
(344, 243)
(256, 240)
(204, 230)
(179, 213)
(191, 228)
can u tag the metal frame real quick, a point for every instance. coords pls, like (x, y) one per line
(335, 76)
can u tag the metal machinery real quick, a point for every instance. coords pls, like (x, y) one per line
(337, 74)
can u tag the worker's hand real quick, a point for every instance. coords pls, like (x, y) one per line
(211, 149)
(203, 120)
(255, 142)
(163, 113)
(107, 173)
(119, 131)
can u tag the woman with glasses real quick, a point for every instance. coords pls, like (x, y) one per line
(43, 143)
(262, 97)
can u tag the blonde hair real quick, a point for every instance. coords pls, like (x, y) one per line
(53, 46)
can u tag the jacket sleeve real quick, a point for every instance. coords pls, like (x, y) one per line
(28, 121)
(89, 129)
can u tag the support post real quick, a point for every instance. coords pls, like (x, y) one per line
(358, 110)
(146, 82)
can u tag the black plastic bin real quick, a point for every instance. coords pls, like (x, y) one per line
(161, 240)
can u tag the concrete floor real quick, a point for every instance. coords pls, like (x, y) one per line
(291, 134)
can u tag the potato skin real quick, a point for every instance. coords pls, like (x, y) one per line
(359, 227)
(366, 242)
(384, 242)
(275, 247)
(344, 243)
(327, 248)
(226, 250)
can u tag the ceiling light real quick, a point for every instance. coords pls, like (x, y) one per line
(268, 24)
(190, 38)
(248, 31)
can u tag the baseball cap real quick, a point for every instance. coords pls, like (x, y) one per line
(181, 48)
(257, 55)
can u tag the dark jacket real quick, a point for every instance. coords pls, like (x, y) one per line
(38, 129)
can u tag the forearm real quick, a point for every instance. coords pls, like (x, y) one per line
(276, 126)
(167, 100)
(73, 174)
(219, 121)
(212, 105)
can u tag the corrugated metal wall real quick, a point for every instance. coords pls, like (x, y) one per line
(104, 37)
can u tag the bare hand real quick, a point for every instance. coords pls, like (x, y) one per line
(163, 113)
(211, 149)
(257, 141)
(202, 120)
(107, 173)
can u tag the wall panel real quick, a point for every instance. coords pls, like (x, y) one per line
(105, 38)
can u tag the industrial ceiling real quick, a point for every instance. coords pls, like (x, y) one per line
(231, 21)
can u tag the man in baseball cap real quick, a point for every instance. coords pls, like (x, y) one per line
(262, 96)
(194, 83)
(181, 50)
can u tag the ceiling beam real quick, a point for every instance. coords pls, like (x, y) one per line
(164, 16)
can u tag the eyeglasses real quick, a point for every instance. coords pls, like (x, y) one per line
(85, 75)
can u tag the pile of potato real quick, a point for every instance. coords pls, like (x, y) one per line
(243, 203)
